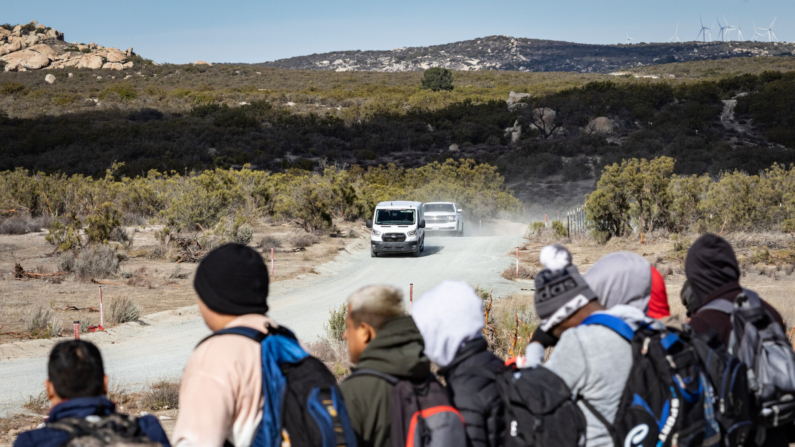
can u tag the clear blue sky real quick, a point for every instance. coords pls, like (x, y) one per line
(258, 31)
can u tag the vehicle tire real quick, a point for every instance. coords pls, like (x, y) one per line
(373, 254)
(416, 254)
(460, 233)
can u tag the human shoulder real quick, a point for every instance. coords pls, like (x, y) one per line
(41, 437)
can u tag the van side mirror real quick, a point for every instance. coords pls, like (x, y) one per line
(369, 223)
(422, 223)
(460, 210)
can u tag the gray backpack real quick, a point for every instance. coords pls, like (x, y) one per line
(760, 343)
(115, 430)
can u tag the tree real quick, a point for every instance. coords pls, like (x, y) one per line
(437, 78)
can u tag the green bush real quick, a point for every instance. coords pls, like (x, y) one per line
(559, 228)
(125, 90)
(12, 88)
(437, 79)
(102, 222)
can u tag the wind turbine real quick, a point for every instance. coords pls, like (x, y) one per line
(739, 29)
(704, 31)
(676, 35)
(771, 36)
(756, 32)
(722, 28)
(629, 39)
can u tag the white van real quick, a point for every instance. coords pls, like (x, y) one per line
(397, 227)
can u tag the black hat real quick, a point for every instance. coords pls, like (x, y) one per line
(233, 280)
(710, 264)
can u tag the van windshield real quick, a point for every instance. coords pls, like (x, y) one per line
(394, 217)
(439, 208)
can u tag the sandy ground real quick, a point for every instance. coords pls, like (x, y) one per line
(158, 346)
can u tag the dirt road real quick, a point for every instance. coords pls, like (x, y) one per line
(138, 353)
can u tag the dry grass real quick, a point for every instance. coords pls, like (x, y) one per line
(38, 404)
(162, 395)
(98, 261)
(334, 354)
(301, 239)
(124, 310)
(524, 273)
(172, 283)
(268, 242)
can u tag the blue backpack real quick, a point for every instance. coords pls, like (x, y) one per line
(303, 404)
(667, 400)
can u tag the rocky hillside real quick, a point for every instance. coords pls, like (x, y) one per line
(34, 46)
(510, 53)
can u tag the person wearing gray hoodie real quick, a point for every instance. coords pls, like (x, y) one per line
(593, 360)
(450, 319)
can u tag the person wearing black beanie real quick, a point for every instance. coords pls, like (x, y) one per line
(713, 274)
(233, 280)
(222, 387)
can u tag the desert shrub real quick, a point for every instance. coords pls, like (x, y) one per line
(125, 90)
(303, 240)
(67, 261)
(335, 325)
(535, 228)
(437, 79)
(19, 225)
(12, 88)
(121, 236)
(124, 310)
(138, 60)
(244, 235)
(38, 404)
(65, 235)
(269, 241)
(103, 222)
(333, 354)
(161, 395)
(559, 228)
(97, 261)
(524, 273)
(44, 323)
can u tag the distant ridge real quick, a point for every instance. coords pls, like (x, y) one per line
(520, 54)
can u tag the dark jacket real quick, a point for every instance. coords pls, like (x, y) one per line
(397, 349)
(471, 381)
(80, 408)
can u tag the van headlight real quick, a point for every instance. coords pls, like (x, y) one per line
(451, 218)
(376, 232)
(412, 233)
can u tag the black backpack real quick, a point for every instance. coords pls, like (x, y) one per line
(539, 410)
(760, 343)
(303, 404)
(667, 400)
(734, 401)
(422, 415)
(97, 431)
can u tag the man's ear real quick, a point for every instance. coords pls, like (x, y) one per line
(369, 331)
(105, 385)
(52, 396)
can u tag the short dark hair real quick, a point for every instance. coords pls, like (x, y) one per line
(76, 370)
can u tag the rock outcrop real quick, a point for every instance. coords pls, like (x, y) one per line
(24, 48)
(514, 100)
(50, 78)
(601, 125)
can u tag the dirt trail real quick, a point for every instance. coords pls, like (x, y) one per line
(138, 353)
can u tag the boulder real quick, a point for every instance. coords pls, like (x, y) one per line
(82, 47)
(129, 52)
(453, 148)
(40, 26)
(202, 63)
(93, 62)
(50, 79)
(70, 75)
(45, 50)
(4, 32)
(92, 45)
(602, 125)
(112, 66)
(115, 56)
(4, 50)
(15, 45)
(515, 136)
(102, 53)
(514, 99)
(31, 60)
(32, 39)
(127, 65)
(543, 119)
(54, 34)
(17, 29)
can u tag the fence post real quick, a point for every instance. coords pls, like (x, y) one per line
(411, 296)
(517, 262)
(77, 330)
(101, 311)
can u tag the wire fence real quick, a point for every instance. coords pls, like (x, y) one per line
(576, 222)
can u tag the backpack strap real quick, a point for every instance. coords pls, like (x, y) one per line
(616, 324)
(750, 297)
(720, 305)
(371, 372)
(251, 333)
(611, 429)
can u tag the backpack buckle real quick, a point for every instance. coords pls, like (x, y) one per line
(646, 343)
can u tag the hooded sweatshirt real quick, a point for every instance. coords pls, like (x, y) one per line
(450, 319)
(713, 274)
(595, 361)
(397, 350)
(621, 278)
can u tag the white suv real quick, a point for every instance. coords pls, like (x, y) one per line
(443, 217)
